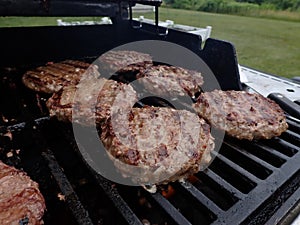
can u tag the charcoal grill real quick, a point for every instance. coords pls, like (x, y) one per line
(248, 183)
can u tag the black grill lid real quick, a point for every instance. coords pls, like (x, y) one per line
(111, 8)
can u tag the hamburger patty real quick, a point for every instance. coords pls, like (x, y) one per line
(241, 114)
(53, 76)
(113, 61)
(135, 68)
(157, 145)
(20, 197)
(170, 80)
(90, 101)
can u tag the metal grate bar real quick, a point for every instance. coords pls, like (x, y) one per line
(250, 156)
(21, 126)
(283, 146)
(118, 201)
(292, 137)
(260, 193)
(269, 156)
(170, 209)
(278, 199)
(270, 150)
(293, 125)
(72, 200)
(209, 204)
(238, 169)
(288, 207)
(286, 143)
(108, 187)
(223, 183)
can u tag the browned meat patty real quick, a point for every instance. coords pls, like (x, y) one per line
(60, 104)
(90, 101)
(170, 80)
(53, 76)
(114, 61)
(161, 144)
(20, 197)
(241, 114)
(135, 68)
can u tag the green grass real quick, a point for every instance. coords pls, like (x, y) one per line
(39, 21)
(272, 46)
(280, 15)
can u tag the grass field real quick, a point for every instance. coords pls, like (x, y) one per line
(39, 21)
(272, 46)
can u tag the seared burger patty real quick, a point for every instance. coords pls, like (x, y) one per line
(20, 197)
(157, 145)
(90, 101)
(113, 61)
(241, 114)
(53, 76)
(170, 80)
(135, 67)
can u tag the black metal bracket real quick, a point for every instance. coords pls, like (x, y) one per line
(131, 4)
(140, 25)
(156, 23)
(286, 104)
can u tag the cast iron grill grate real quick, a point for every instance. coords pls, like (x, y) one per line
(248, 182)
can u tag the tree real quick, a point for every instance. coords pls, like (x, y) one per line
(187, 4)
(282, 4)
(259, 2)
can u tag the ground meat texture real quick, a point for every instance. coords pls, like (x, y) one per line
(241, 114)
(53, 76)
(129, 73)
(20, 198)
(135, 67)
(60, 104)
(155, 145)
(113, 61)
(165, 80)
(90, 101)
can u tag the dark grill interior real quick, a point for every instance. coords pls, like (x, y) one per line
(227, 187)
(248, 182)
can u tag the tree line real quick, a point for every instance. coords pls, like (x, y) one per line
(235, 6)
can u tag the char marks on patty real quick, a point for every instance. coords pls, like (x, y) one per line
(113, 61)
(242, 115)
(162, 144)
(90, 101)
(53, 76)
(170, 80)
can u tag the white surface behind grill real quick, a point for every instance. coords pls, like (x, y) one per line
(265, 84)
(296, 221)
(203, 32)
